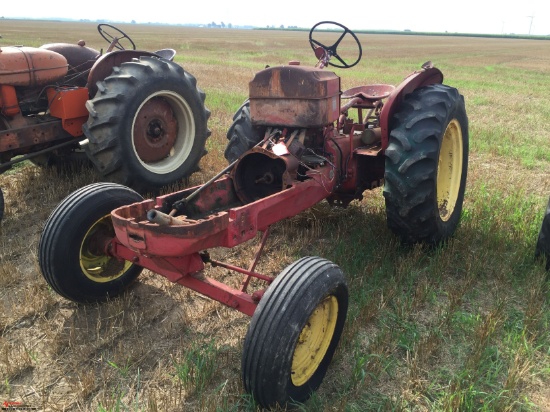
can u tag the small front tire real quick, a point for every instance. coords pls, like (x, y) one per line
(294, 332)
(70, 250)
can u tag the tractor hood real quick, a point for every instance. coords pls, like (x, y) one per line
(294, 96)
(30, 66)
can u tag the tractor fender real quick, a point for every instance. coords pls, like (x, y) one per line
(425, 76)
(103, 67)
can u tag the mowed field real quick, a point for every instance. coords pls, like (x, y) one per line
(465, 326)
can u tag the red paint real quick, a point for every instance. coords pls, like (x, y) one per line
(263, 187)
(419, 78)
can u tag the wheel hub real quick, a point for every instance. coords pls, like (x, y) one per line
(155, 130)
(314, 341)
(449, 173)
(95, 264)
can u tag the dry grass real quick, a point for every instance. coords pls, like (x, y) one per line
(463, 327)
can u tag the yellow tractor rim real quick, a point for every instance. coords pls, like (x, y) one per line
(95, 264)
(314, 341)
(449, 170)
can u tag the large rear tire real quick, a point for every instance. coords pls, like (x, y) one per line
(294, 332)
(1, 204)
(543, 243)
(148, 124)
(242, 135)
(426, 165)
(70, 251)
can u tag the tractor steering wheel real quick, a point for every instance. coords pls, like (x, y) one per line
(114, 41)
(331, 50)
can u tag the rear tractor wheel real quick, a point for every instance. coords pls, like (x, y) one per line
(543, 242)
(294, 332)
(426, 165)
(71, 251)
(1, 204)
(242, 135)
(148, 124)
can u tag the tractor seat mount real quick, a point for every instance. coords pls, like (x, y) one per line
(367, 96)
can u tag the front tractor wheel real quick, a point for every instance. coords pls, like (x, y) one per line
(148, 124)
(71, 250)
(294, 332)
(242, 135)
(426, 165)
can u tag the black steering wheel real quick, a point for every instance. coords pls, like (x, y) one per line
(331, 50)
(114, 41)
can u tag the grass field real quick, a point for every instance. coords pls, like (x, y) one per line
(464, 327)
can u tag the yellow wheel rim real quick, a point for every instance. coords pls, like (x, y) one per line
(95, 264)
(314, 341)
(449, 170)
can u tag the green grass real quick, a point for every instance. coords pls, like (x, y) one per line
(465, 336)
(197, 367)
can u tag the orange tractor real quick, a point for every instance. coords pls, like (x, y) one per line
(136, 115)
(297, 140)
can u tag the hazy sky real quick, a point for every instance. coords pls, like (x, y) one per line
(466, 16)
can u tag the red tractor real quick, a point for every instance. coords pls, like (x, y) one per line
(138, 116)
(293, 144)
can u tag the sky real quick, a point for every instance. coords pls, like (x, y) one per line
(466, 16)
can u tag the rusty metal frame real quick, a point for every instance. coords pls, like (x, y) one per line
(178, 252)
(186, 272)
(24, 139)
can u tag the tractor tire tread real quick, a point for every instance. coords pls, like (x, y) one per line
(242, 135)
(412, 164)
(108, 114)
(57, 230)
(542, 249)
(291, 295)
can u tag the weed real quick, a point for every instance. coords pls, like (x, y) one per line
(197, 367)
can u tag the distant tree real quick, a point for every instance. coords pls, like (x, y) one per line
(133, 22)
(223, 25)
(229, 26)
(282, 26)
